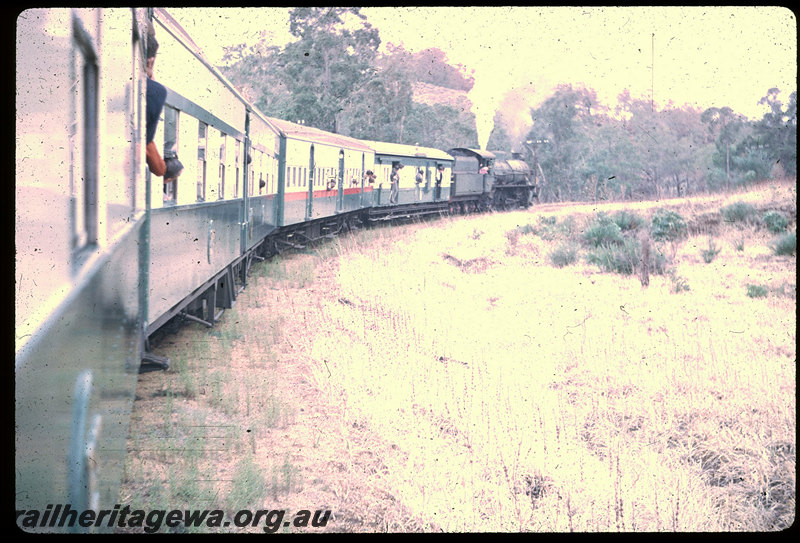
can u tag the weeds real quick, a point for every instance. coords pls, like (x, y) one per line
(248, 486)
(668, 226)
(775, 221)
(757, 291)
(564, 255)
(711, 252)
(603, 232)
(627, 220)
(786, 245)
(624, 258)
(679, 283)
(739, 212)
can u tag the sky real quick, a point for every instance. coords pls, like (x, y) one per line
(700, 56)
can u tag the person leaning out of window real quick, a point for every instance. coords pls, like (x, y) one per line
(156, 95)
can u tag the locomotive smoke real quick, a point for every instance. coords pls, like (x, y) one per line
(484, 105)
(484, 122)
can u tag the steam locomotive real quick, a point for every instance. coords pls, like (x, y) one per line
(107, 253)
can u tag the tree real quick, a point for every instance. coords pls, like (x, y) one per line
(333, 56)
(724, 125)
(257, 71)
(777, 131)
(378, 108)
(561, 120)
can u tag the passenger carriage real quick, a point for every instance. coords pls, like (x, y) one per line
(203, 224)
(80, 237)
(323, 173)
(412, 158)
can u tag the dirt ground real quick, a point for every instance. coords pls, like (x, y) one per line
(331, 462)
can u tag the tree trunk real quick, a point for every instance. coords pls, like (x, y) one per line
(728, 164)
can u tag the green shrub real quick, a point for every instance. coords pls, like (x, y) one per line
(567, 226)
(624, 258)
(679, 283)
(627, 220)
(513, 235)
(738, 212)
(564, 255)
(786, 245)
(775, 221)
(711, 252)
(757, 291)
(668, 226)
(603, 231)
(526, 229)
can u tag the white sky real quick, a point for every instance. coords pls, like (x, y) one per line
(703, 56)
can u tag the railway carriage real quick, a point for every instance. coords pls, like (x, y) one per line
(323, 173)
(412, 158)
(262, 164)
(80, 231)
(203, 224)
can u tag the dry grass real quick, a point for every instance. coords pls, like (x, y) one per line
(449, 377)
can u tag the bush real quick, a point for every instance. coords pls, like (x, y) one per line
(526, 229)
(711, 252)
(567, 226)
(756, 291)
(786, 245)
(513, 235)
(624, 258)
(564, 255)
(603, 231)
(627, 220)
(738, 212)
(679, 283)
(775, 221)
(668, 226)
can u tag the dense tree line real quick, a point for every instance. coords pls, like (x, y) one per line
(333, 77)
(587, 151)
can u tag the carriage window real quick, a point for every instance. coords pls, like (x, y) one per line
(171, 119)
(221, 184)
(250, 173)
(85, 132)
(202, 141)
(236, 159)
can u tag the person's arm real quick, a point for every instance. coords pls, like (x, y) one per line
(154, 161)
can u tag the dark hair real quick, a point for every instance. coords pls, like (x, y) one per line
(152, 44)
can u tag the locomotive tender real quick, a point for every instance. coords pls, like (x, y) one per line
(107, 254)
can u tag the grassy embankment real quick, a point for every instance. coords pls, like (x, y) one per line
(478, 373)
